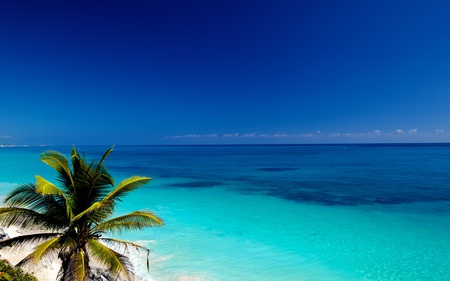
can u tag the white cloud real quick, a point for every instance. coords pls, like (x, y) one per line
(5, 137)
(252, 135)
(317, 134)
(193, 136)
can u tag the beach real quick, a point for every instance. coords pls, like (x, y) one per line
(47, 270)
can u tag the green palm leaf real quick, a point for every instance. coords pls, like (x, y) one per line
(42, 250)
(100, 164)
(101, 184)
(26, 240)
(59, 162)
(26, 218)
(94, 207)
(124, 187)
(45, 187)
(124, 245)
(132, 221)
(117, 263)
(127, 185)
(23, 195)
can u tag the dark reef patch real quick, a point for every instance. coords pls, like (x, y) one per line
(327, 198)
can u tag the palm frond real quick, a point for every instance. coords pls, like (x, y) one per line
(132, 221)
(100, 185)
(51, 246)
(92, 182)
(74, 152)
(27, 240)
(25, 195)
(94, 207)
(123, 246)
(45, 187)
(126, 186)
(116, 263)
(59, 162)
(107, 152)
(26, 218)
(80, 176)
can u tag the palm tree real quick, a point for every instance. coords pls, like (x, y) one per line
(74, 215)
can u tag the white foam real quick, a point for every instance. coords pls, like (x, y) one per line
(145, 242)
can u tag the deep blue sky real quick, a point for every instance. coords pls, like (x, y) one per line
(191, 72)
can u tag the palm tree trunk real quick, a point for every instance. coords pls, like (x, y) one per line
(64, 273)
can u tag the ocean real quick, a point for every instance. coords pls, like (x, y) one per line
(279, 212)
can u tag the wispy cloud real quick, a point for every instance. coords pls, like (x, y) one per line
(235, 135)
(317, 134)
(412, 131)
(192, 136)
(5, 137)
(251, 135)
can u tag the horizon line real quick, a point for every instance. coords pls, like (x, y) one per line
(235, 144)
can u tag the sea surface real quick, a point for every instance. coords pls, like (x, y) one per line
(300, 212)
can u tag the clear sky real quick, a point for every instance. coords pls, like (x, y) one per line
(224, 72)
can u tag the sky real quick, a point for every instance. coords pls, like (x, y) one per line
(224, 72)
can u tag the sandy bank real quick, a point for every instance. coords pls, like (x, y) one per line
(44, 271)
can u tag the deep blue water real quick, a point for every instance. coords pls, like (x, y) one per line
(299, 212)
(328, 175)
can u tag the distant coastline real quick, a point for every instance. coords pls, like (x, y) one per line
(14, 145)
(381, 144)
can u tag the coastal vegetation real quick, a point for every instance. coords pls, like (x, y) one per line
(9, 273)
(72, 217)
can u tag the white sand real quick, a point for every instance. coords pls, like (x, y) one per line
(46, 270)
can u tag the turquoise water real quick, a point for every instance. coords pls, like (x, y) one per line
(344, 212)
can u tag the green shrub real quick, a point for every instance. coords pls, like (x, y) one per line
(16, 274)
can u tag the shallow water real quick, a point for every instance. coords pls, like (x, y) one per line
(344, 212)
